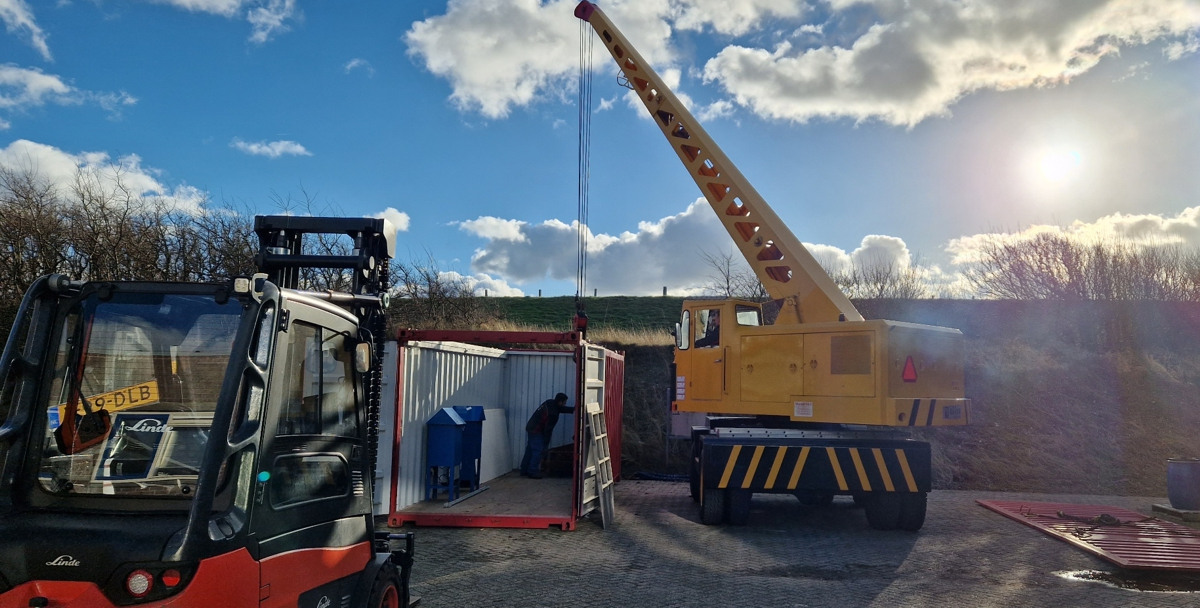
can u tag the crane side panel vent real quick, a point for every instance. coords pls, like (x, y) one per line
(850, 354)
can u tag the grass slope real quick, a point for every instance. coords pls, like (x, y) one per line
(620, 312)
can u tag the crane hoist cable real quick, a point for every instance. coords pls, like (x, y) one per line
(584, 159)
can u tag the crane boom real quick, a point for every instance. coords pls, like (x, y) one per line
(784, 266)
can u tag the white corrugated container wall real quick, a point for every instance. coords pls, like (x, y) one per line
(534, 377)
(437, 375)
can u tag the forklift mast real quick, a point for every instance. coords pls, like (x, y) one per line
(282, 257)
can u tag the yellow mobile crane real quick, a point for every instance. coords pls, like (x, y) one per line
(810, 398)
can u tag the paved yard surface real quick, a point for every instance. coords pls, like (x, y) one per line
(658, 554)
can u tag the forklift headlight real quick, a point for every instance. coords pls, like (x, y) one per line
(241, 285)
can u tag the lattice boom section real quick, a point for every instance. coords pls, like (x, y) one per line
(757, 241)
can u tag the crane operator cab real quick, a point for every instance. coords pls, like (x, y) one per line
(199, 444)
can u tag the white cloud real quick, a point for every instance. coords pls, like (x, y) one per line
(18, 17)
(495, 229)
(502, 54)
(732, 18)
(270, 19)
(605, 104)
(1179, 49)
(273, 149)
(358, 63)
(920, 56)
(399, 219)
(124, 174)
(481, 284)
(266, 17)
(1134, 229)
(22, 89)
(660, 253)
(224, 8)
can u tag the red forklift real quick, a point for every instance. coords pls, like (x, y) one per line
(201, 445)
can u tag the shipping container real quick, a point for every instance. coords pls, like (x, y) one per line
(509, 384)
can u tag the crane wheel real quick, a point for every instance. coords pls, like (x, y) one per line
(386, 592)
(712, 507)
(739, 507)
(694, 480)
(912, 516)
(811, 498)
(884, 510)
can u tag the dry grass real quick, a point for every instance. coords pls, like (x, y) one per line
(1064, 419)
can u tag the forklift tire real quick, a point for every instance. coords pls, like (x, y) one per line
(738, 502)
(884, 509)
(387, 592)
(712, 507)
(912, 516)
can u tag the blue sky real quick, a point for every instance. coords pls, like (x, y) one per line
(873, 127)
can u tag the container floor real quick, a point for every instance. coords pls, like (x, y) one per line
(511, 501)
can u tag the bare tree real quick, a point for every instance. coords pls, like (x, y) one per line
(1056, 267)
(732, 279)
(97, 228)
(425, 297)
(883, 277)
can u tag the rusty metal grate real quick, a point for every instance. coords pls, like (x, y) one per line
(1123, 537)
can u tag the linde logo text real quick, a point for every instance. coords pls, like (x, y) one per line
(63, 560)
(147, 425)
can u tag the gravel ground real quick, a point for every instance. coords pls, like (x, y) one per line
(658, 554)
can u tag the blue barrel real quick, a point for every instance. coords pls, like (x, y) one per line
(472, 443)
(443, 450)
(1183, 483)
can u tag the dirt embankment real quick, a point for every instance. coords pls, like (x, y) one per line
(1088, 397)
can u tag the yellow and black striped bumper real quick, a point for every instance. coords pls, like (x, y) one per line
(823, 465)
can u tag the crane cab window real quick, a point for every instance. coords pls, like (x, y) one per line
(748, 315)
(708, 328)
(683, 332)
(320, 397)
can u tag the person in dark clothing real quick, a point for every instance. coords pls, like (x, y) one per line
(540, 426)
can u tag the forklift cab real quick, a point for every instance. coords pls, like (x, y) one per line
(193, 445)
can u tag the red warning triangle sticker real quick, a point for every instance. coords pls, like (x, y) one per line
(910, 370)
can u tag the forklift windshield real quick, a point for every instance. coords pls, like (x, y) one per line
(136, 382)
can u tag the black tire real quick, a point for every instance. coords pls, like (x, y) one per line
(712, 507)
(739, 507)
(912, 515)
(387, 591)
(883, 510)
(811, 498)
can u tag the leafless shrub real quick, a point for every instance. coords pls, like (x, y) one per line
(882, 277)
(425, 297)
(97, 228)
(731, 279)
(1055, 267)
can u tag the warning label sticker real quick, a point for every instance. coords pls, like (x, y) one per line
(803, 409)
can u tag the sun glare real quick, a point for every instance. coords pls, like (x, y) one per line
(1060, 165)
